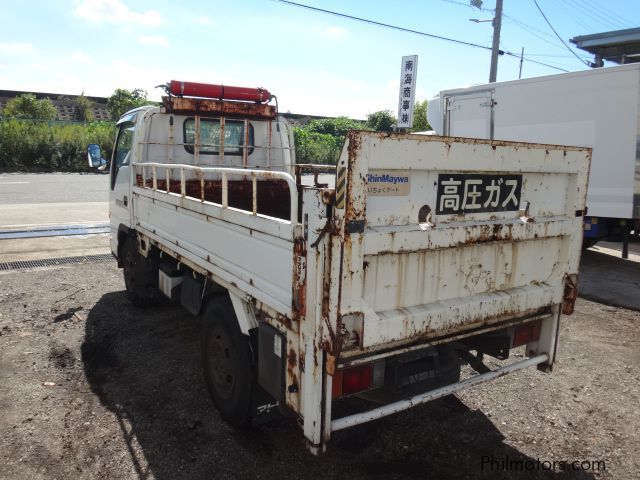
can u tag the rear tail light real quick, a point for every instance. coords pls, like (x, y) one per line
(526, 333)
(360, 378)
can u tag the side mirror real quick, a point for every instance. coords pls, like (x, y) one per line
(94, 157)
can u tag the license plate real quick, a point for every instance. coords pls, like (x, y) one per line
(475, 193)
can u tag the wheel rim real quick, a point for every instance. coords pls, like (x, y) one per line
(221, 362)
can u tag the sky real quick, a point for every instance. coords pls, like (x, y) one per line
(316, 63)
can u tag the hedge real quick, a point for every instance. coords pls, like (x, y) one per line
(318, 148)
(46, 146)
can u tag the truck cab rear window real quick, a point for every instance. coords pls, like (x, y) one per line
(234, 136)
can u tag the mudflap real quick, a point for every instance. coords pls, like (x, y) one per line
(264, 406)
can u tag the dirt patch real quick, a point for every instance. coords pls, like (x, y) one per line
(68, 315)
(61, 356)
(128, 401)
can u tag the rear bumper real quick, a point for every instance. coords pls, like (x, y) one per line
(385, 410)
(457, 316)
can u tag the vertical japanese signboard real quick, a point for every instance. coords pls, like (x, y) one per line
(408, 73)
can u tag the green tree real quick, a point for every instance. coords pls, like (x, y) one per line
(84, 108)
(420, 122)
(337, 127)
(28, 106)
(123, 100)
(318, 148)
(381, 121)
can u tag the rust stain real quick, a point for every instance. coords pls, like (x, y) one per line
(299, 284)
(292, 362)
(330, 364)
(570, 295)
(328, 196)
(354, 147)
(284, 320)
(273, 195)
(216, 107)
(448, 141)
(326, 299)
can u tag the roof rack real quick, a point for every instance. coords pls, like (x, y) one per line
(212, 107)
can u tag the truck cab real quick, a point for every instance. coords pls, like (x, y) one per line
(175, 133)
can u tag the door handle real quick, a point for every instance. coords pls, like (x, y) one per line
(125, 200)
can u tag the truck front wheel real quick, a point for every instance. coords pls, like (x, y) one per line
(227, 363)
(140, 275)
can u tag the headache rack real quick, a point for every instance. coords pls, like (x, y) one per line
(213, 107)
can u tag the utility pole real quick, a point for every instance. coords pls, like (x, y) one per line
(521, 58)
(495, 48)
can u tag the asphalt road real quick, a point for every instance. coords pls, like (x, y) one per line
(53, 199)
(32, 200)
(30, 188)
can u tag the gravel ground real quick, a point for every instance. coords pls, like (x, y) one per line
(94, 388)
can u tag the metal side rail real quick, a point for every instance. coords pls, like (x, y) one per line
(352, 420)
(224, 172)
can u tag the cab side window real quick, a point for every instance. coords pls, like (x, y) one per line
(121, 154)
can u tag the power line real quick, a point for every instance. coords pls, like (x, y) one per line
(624, 22)
(416, 32)
(553, 42)
(569, 13)
(599, 19)
(559, 37)
(515, 55)
(526, 25)
(532, 31)
(380, 24)
(598, 16)
(553, 55)
(527, 28)
(482, 9)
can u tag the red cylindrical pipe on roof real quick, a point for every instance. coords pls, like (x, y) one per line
(205, 90)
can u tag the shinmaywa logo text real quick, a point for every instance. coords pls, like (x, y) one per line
(386, 178)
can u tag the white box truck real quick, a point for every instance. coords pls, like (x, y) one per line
(420, 253)
(597, 108)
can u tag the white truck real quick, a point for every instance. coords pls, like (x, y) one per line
(598, 108)
(419, 254)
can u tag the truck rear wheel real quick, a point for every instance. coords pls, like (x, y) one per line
(140, 276)
(227, 363)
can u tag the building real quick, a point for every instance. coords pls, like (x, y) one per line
(65, 104)
(619, 46)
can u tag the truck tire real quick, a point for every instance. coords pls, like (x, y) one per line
(140, 276)
(227, 363)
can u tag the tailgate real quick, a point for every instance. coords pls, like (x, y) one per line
(442, 235)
